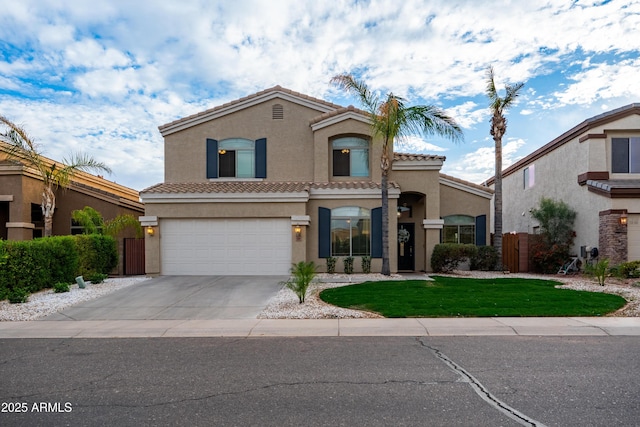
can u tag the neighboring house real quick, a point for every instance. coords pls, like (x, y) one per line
(278, 177)
(21, 197)
(594, 168)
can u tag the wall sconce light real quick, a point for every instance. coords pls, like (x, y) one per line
(222, 151)
(150, 231)
(345, 151)
(623, 219)
(298, 230)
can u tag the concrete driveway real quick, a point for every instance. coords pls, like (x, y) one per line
(181, 297)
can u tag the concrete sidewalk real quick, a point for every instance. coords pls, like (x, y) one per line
(515, 326)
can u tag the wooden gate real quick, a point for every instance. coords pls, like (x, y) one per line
(511, 253)
(133, 257)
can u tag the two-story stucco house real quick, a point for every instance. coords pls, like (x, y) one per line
(594, 168)
(278, 177)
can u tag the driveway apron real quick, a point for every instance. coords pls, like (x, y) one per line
(180, 297)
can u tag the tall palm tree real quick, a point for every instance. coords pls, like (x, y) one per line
(392, 119)
(498, 107)
(52, 174)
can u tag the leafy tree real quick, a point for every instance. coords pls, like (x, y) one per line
(52, 174)
(499, 105)
(93, 223)
(552, 247)
(556, 220)
(89, 219)
(391, 118)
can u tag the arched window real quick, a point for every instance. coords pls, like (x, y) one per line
(459, 229)
(350, 156)
(236, 158)
(350, 231)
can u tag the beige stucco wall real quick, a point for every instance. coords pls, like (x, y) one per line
(289, 142)
(556, 176)
(455, 201)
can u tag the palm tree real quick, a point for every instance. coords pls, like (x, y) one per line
(52, 174)
(498, 107)
(392, 119)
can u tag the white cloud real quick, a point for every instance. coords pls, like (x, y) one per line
(416, 145)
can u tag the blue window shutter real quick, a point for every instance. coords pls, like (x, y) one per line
(212, 158)
(481, 230)
(324, 232)
(376, 233)
(261, 158)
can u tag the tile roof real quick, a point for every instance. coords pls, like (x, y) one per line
(467, 183)
(618, 188)
(416, 157)
(257, 187)
(247, 98)
(337, 112)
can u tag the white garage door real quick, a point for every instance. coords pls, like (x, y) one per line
(225, 246)
(633, 237)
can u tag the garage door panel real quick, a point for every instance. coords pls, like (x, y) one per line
(225, 247)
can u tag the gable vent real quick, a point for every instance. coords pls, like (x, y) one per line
(277, 112)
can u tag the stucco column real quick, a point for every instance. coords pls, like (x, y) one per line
(20, 230)
(432, 229)
(152, 236)
(299, 231)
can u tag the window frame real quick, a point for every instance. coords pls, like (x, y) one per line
(351, 215)
(239, 147)
(625, 155)
(350, 146)
(458, 222)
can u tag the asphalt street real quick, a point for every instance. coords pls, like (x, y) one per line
(321, 381)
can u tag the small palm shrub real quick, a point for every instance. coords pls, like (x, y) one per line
(628, 270)
(303, 274)
(598, 270)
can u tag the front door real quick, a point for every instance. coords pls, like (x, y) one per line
(406, 241)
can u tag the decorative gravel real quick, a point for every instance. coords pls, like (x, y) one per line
(47, 302)
(285, 304)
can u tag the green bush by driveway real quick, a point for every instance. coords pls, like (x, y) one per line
(466, 297)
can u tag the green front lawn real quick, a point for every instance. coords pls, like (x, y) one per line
(465, 297)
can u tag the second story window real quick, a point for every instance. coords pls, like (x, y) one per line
(350, 157)
(529, 176)
(236, 158)
(625, 155)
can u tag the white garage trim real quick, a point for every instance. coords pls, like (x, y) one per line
(247, 246)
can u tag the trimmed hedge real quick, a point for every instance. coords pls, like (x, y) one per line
(485, 259)
(33, 265)
(98, 254)
(447, 256)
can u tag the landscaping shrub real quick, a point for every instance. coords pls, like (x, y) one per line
(348, 265)
(550, 249)
(598, 270)
(98, 254)
(547, 258)
(447, 256)
(36, 264)
(96, 277)
(18, 296)
(303, 273)
(485, 259)
(331, 264)
(61, 287)
(366, 264)
(628, 270)
(33, 265)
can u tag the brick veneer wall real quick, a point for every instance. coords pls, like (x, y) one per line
(612, 237)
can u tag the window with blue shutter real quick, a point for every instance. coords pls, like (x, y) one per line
(324, 232)
(481, 230)
(261, 158)
(212, 158)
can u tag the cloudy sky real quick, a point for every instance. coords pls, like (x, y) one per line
(100, 76)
